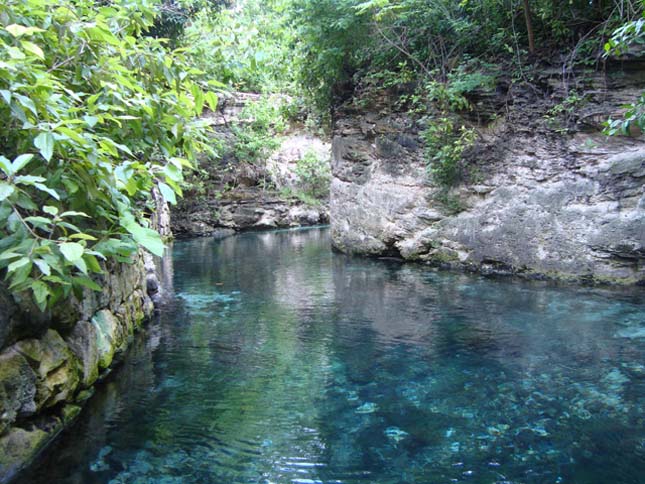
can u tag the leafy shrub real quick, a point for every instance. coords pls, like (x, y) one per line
(94, 114)
(249, 47)
(627, 35)
(313, 175)
(257, 132)
(445, 144)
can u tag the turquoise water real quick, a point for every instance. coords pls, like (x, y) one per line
(278, 361)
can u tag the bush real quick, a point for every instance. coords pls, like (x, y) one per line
(445, 144)
(94, 115)
(258, 128)
(314, 175)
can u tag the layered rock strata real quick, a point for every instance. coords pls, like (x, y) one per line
(542, 196)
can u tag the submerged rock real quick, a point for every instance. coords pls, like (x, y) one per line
(631, 333)
(395, 434)
(367, 407)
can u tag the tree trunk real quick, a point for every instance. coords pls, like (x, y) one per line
(529, 27)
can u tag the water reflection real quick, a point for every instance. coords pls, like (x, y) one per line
(281, 362)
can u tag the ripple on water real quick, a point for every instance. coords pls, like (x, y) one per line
(280, 362)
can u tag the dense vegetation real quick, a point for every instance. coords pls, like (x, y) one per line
(94, 115)
(100, 101)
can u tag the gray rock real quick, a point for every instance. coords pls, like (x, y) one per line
(83, 342)
(17, 388)
(55, 366)
(561, 207)
(19, 318)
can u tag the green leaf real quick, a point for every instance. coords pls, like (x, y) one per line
(82, 237)
(87, 282)
(33, 49)
(45, 143)
(38, 221)
(28, 179)
(91, 120)
(211, 100)
(6, 95)
(147, 238)
(74, 135)
(41, 293)
(50, 210)
(18, 264)
(5, 166)
(20, 30)
(43, 266)
(72, 251)
(168, 193)
(172, 172)
(46, 189)
(19, 277)
(6, 190)
(81, 265)
(72, 213)
(9, 254)
(20, 162)
(27, 103)
(92, 263)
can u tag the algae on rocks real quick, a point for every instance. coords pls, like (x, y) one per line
(47, 369)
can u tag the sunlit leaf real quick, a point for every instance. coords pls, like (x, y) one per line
(45, 143)
(72, 251)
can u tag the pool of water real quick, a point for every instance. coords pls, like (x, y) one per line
(278, 361)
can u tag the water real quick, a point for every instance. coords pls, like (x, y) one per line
(280, 362)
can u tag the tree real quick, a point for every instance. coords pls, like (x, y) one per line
(94, 114)
(529, 27)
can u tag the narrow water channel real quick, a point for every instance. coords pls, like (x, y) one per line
(279, 361)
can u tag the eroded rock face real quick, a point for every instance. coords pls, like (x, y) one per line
(55, 366)
(245, 209)
(535, 202)
(17, 389)
(238, 195)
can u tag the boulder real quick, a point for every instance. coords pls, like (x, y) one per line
(17, 388)
(109, 336)
(17, 448)
(57, 369)
(83, 342)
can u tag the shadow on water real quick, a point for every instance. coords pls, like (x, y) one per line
(279, 361)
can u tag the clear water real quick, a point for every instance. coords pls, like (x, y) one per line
(281, 362)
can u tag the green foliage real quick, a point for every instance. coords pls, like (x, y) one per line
(445, 144)
(174, 15)
(628, 35)
(313, 175)
(94, 115)
(559, 116)
(633, 119)
(331, 42)
(249, 47)
(379, 42)
(257, 131)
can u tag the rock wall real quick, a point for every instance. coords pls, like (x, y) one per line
(48, 369)
(539, 200)
(244, 210)
(236, 195)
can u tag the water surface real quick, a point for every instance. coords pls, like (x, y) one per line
(278, 361)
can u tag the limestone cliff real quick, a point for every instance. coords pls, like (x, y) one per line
(230, 194)
(562, 202)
